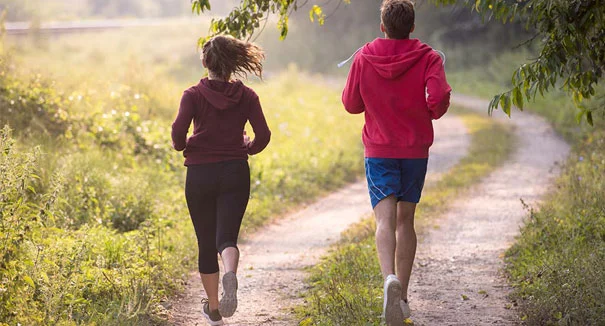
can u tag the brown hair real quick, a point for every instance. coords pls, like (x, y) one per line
(398, 18)
(226, 55)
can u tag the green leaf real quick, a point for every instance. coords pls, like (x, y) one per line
(518, 98)
(493, 104)
(580, 115)
(29, 281)
(505, 103)
(589, 118)
(44, 276)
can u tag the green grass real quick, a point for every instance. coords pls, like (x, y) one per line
(94, 229)
(557, 265)
(347, 285)
(315, 146)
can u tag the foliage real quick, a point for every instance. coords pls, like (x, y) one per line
(249, 16)
(33, 105)
(94, 227)
(54, 275)
(346, 286)
(572, 49)
(556, 265)
(571, 36)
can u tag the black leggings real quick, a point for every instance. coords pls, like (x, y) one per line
(217, 195)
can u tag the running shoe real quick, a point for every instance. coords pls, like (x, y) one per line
(405, 309)
(393, 314)
(228, 303)
(213, 317)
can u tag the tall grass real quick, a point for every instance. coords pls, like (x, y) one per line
(346, 287)
(94, 227)
(557, 264)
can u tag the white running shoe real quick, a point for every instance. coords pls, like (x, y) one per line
(405, 309)
(228, 303)
(391, 308)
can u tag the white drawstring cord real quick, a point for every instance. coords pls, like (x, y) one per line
(442, 55)
(340, 65)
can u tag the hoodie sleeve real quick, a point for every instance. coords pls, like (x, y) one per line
(262, 134)
(437, 88)
(351, 96)
(181, 124)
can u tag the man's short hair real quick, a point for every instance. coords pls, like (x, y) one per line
(398, 18)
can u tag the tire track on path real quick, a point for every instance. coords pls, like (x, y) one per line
(271, 273)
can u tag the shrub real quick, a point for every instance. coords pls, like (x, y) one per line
(32, 106)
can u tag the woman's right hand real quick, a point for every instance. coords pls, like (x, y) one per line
(246, 139)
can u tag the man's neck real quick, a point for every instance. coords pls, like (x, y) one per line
(388, 38)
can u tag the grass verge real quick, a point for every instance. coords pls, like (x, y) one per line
(94, 228)
(346, 286)
(557, 265)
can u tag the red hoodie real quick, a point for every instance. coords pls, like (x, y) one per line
(401, 87)
(219, 111)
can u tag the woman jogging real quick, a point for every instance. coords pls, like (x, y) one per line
(216, 155)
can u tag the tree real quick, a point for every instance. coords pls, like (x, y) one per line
(250, 15)
(570, 36)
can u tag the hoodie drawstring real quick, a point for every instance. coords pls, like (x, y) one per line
(340, 65)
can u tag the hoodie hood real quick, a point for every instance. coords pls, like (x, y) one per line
(393, 58)
(221, 95)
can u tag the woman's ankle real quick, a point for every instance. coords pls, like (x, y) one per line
(213, 304)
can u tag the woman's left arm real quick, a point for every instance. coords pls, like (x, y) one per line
(262, 134)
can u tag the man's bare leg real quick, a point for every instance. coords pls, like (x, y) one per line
(406, 244)
(386, 219)
(386, 242)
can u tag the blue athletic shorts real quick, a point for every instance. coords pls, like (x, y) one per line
(403, 178)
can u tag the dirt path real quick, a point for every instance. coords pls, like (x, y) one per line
(464, 255)
(271, 270)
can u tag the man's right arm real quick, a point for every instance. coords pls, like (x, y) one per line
(351, 96)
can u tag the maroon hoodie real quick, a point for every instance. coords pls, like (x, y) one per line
(219, 111)
(400, 86)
